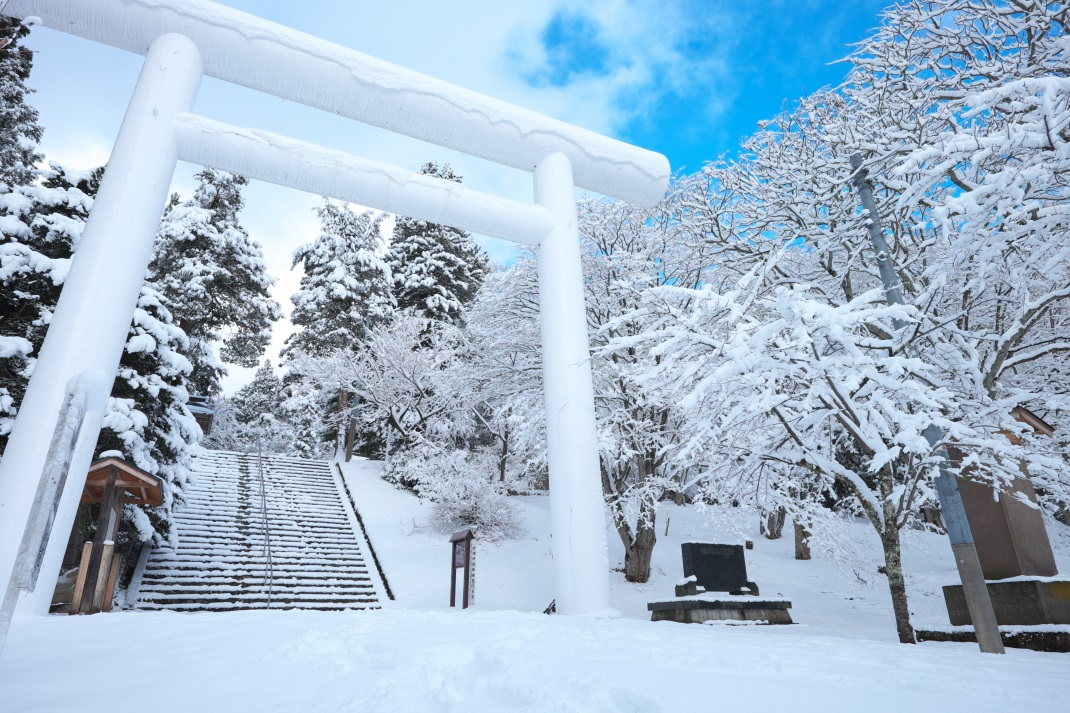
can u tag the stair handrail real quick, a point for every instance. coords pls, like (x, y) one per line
(269, 573)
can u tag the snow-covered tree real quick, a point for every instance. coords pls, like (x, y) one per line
(39, 228)
(147, 419)
(252, 419)
(212, 274)
(410, 381)
(797, 381)
(346, 285)
(437, 270)
(345, 291)
(19, 130)
(503, 355)
(306, 408)
(628, 251)
(19, 134)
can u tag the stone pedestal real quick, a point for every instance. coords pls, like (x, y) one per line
(1022, 602)
(701, 610)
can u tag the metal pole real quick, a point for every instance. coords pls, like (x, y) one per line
(958, 527)
(577, 507)
(92, 319)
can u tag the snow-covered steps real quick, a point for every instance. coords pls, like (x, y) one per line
(319, 558)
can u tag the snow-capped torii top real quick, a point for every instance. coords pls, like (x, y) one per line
(252, 52)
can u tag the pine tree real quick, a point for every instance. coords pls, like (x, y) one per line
(252, 420)
(147, 419)
(39, 230)
(19, 134)
(346, 286)
(19, 131)
(437, 270)
(213, 277)
(260, 398)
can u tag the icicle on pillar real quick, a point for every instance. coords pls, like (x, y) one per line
(577, 508)
(92, 318)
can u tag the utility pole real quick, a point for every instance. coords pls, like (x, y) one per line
(958, 527)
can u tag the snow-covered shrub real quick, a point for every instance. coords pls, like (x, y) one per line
(462, 488)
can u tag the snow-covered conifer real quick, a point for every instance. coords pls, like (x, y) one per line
(39, 229)
(437, 270)
(260, 398)
(19, 130)
(252, 419)
(346, 286)
(147, 417)
(212, 275)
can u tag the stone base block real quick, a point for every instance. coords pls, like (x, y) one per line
(1052, 641)
(1017, 602)
(699, 611)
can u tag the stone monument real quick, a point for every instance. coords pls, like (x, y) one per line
(711, 567)
(1013, 547)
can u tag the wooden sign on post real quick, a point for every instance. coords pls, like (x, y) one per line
(112, 483)
(462, 556)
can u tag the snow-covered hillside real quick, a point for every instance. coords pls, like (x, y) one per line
(503, 654)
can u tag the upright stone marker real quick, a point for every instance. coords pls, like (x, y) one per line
(717, 568)
(711, 568)
(1008, 527)
(1012, 544)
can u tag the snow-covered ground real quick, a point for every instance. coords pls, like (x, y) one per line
(417, 655)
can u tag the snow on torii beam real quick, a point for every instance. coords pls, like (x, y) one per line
(252, 52)
(326, 172)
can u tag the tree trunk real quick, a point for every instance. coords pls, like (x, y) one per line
(893, 565)
(503, 458)
(802, 542)
(339, 440)
(637, 555)
(772, 525)
(351, 436)
(639, 547)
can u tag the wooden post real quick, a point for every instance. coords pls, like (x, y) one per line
(79, 584)
(100, 558)
(101, 585)
(113, 575)
(453, 573)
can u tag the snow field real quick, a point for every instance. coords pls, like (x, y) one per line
(503, 655)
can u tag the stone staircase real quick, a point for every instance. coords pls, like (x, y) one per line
(318, 557)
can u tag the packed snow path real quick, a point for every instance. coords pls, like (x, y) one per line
(318, 557)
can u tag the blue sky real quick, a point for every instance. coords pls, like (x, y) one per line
(729, 66)
(688, 78)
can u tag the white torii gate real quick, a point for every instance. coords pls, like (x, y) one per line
(185, 39)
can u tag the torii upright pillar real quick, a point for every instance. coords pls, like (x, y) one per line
(88, 335)
(577, 518)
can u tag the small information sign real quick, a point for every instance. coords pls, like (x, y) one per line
(463, 557)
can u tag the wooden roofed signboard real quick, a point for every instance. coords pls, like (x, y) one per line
(141, 488)
(113, 483)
